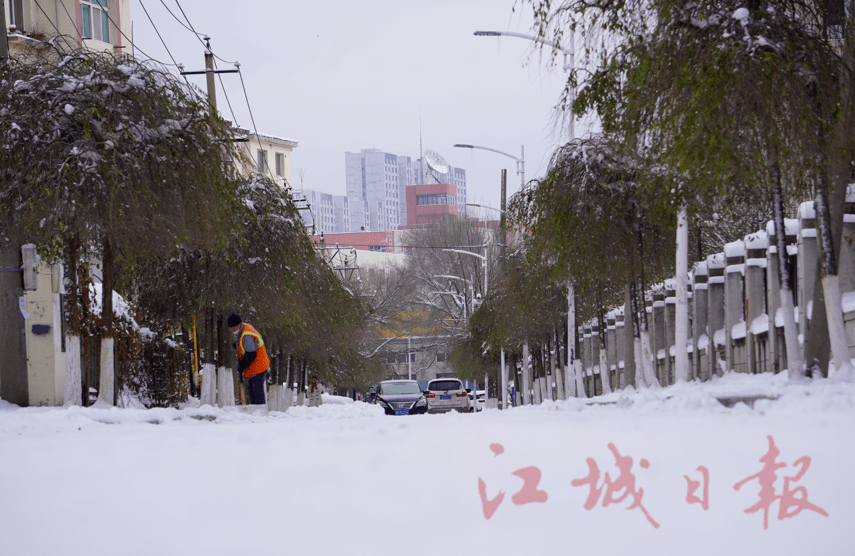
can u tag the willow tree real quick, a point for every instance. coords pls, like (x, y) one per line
(734, 97)
(589, 216)
(268, 271)
(112, 158)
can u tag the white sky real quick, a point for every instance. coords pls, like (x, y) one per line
(341, 76)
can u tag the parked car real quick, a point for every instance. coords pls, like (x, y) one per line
(476, 402)
(446, 394)
(400, 397)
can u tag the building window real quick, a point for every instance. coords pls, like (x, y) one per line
(402, 358)
(280, 164)
(16, 15)
(437, 199)
(94, 20)
(261, 161)
(440, 358)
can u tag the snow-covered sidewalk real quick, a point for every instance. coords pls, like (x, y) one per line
(348, 479)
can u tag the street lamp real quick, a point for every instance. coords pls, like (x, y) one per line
(483, 260)
(520, 160)
(568, 52)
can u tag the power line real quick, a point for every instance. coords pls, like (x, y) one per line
(252, 119)
(178, 20)
(223, 86)
(198, 35)
(130, 41)
(73, 22)
(161, 38)
(48, 18)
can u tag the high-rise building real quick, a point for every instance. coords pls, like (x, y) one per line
(322, 212)
(376, 187)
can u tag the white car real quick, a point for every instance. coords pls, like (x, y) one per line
(476, 401)
(446, 394)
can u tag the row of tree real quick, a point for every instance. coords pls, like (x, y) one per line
(110, 160)
(733, 113)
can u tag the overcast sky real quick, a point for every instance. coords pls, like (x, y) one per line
(340, 76)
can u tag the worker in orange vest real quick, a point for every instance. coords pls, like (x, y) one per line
(253, 362)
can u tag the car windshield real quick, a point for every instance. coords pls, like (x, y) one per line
(400, 388)
(445, 385)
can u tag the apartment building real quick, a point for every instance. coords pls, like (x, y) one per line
(102, 25)
(322, 212)
(376, 188)
(267, 154)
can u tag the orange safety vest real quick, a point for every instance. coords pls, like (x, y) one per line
(261, 363)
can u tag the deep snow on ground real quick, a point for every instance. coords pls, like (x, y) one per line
(345, 478)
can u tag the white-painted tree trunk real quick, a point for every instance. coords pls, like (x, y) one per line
(503, 393)
(556, 367)
(795, 365)
(225, 387)
(526, 375)
(208, 390)
(107, 383)
(840, 354)
(681, 320)
(537, 393)
(640, 378)
(604, 372)
(570, 371)
(73, 391)
(569, 381)
(580, 386)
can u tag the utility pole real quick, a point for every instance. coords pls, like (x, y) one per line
(503, 394)
(209, 74)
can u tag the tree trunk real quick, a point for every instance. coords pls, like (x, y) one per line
(73, 394)
(225, 377)
(13, 363)
(795, 366)
(646, 354)
(107, 383)
(209, 367)
(526, 370)
(681, 322)
(604, 360)
(830, 281)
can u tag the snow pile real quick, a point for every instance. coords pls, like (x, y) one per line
(332, 411)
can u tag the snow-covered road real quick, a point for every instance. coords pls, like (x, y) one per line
(348, 479)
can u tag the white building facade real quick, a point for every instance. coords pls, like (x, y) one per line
(376, 187)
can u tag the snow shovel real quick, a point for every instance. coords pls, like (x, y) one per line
(243, 391)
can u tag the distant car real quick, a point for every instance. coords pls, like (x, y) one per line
(475, 404)
(446, 394)
(481, 399)
(400, 397)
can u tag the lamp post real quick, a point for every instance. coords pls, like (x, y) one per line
(483, 260)
(568, 52)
